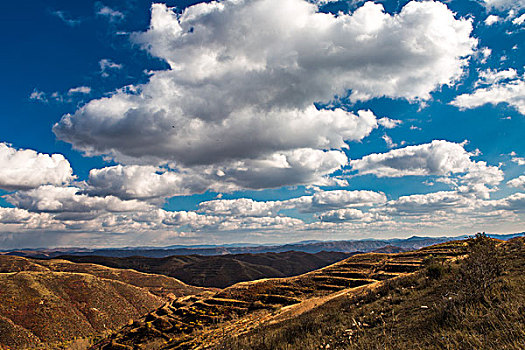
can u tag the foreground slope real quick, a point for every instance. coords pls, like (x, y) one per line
(473, 303)
(47, 302)
(199, 322)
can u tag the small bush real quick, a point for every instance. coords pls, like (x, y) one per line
(480, 269)
(434, 269)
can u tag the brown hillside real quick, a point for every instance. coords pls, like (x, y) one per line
(45, 302)
(156, 284)
(198, 322)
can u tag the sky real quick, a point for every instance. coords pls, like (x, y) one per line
(259, 121)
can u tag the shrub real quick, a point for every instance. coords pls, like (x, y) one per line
(434, 269)
(480, 269)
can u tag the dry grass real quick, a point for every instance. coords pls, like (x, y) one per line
(455, 308)
(199, 322)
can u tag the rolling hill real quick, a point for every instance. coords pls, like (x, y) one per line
(55, 301)
(222, 270)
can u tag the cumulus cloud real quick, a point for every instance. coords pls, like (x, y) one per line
(388, 141)
(515, 202)
(491, 19)
(143, 182)
(438, 158)
(519, 20)
(238, 98)
(350, 214)
(48, 198)
(504, 4)
(12, 218)
(492, 76)
(518, 182)
(240, 207)
(336, 199)
(24, 168)
(318, 202)
(418, 204)
(388, 123)
(503, 87)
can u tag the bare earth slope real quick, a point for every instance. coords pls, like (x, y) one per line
(46, 302)
(201, 322)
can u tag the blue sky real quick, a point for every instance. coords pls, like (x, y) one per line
(259, 121)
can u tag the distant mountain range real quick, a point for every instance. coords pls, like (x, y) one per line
(350, 246)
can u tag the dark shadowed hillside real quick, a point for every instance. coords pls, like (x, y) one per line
(222, 270)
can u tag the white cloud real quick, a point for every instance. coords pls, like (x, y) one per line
(492, 76)
(504, 4)
(439, 158)
(79, 90)
(506, 89)
(515, 202)
(145, 182)
(67, 19)
(24, 168)
(518, 182)
(50, 198)
(519, 20)
(388, 123)
(349, 214)
(491, 19)
(107, 65)
(518, 160)
(388, 141)
(38, 95)
(14, 218)
(240, 207)
(239, 98)
(484, 54)
(418, 204)
(436, 158)
(112, 15)
(336, 199)
(318, 202)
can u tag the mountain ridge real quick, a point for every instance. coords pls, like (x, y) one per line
(349, 246)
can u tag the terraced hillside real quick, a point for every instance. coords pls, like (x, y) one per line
(203, 321)
(50, 302)
(472, 303)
